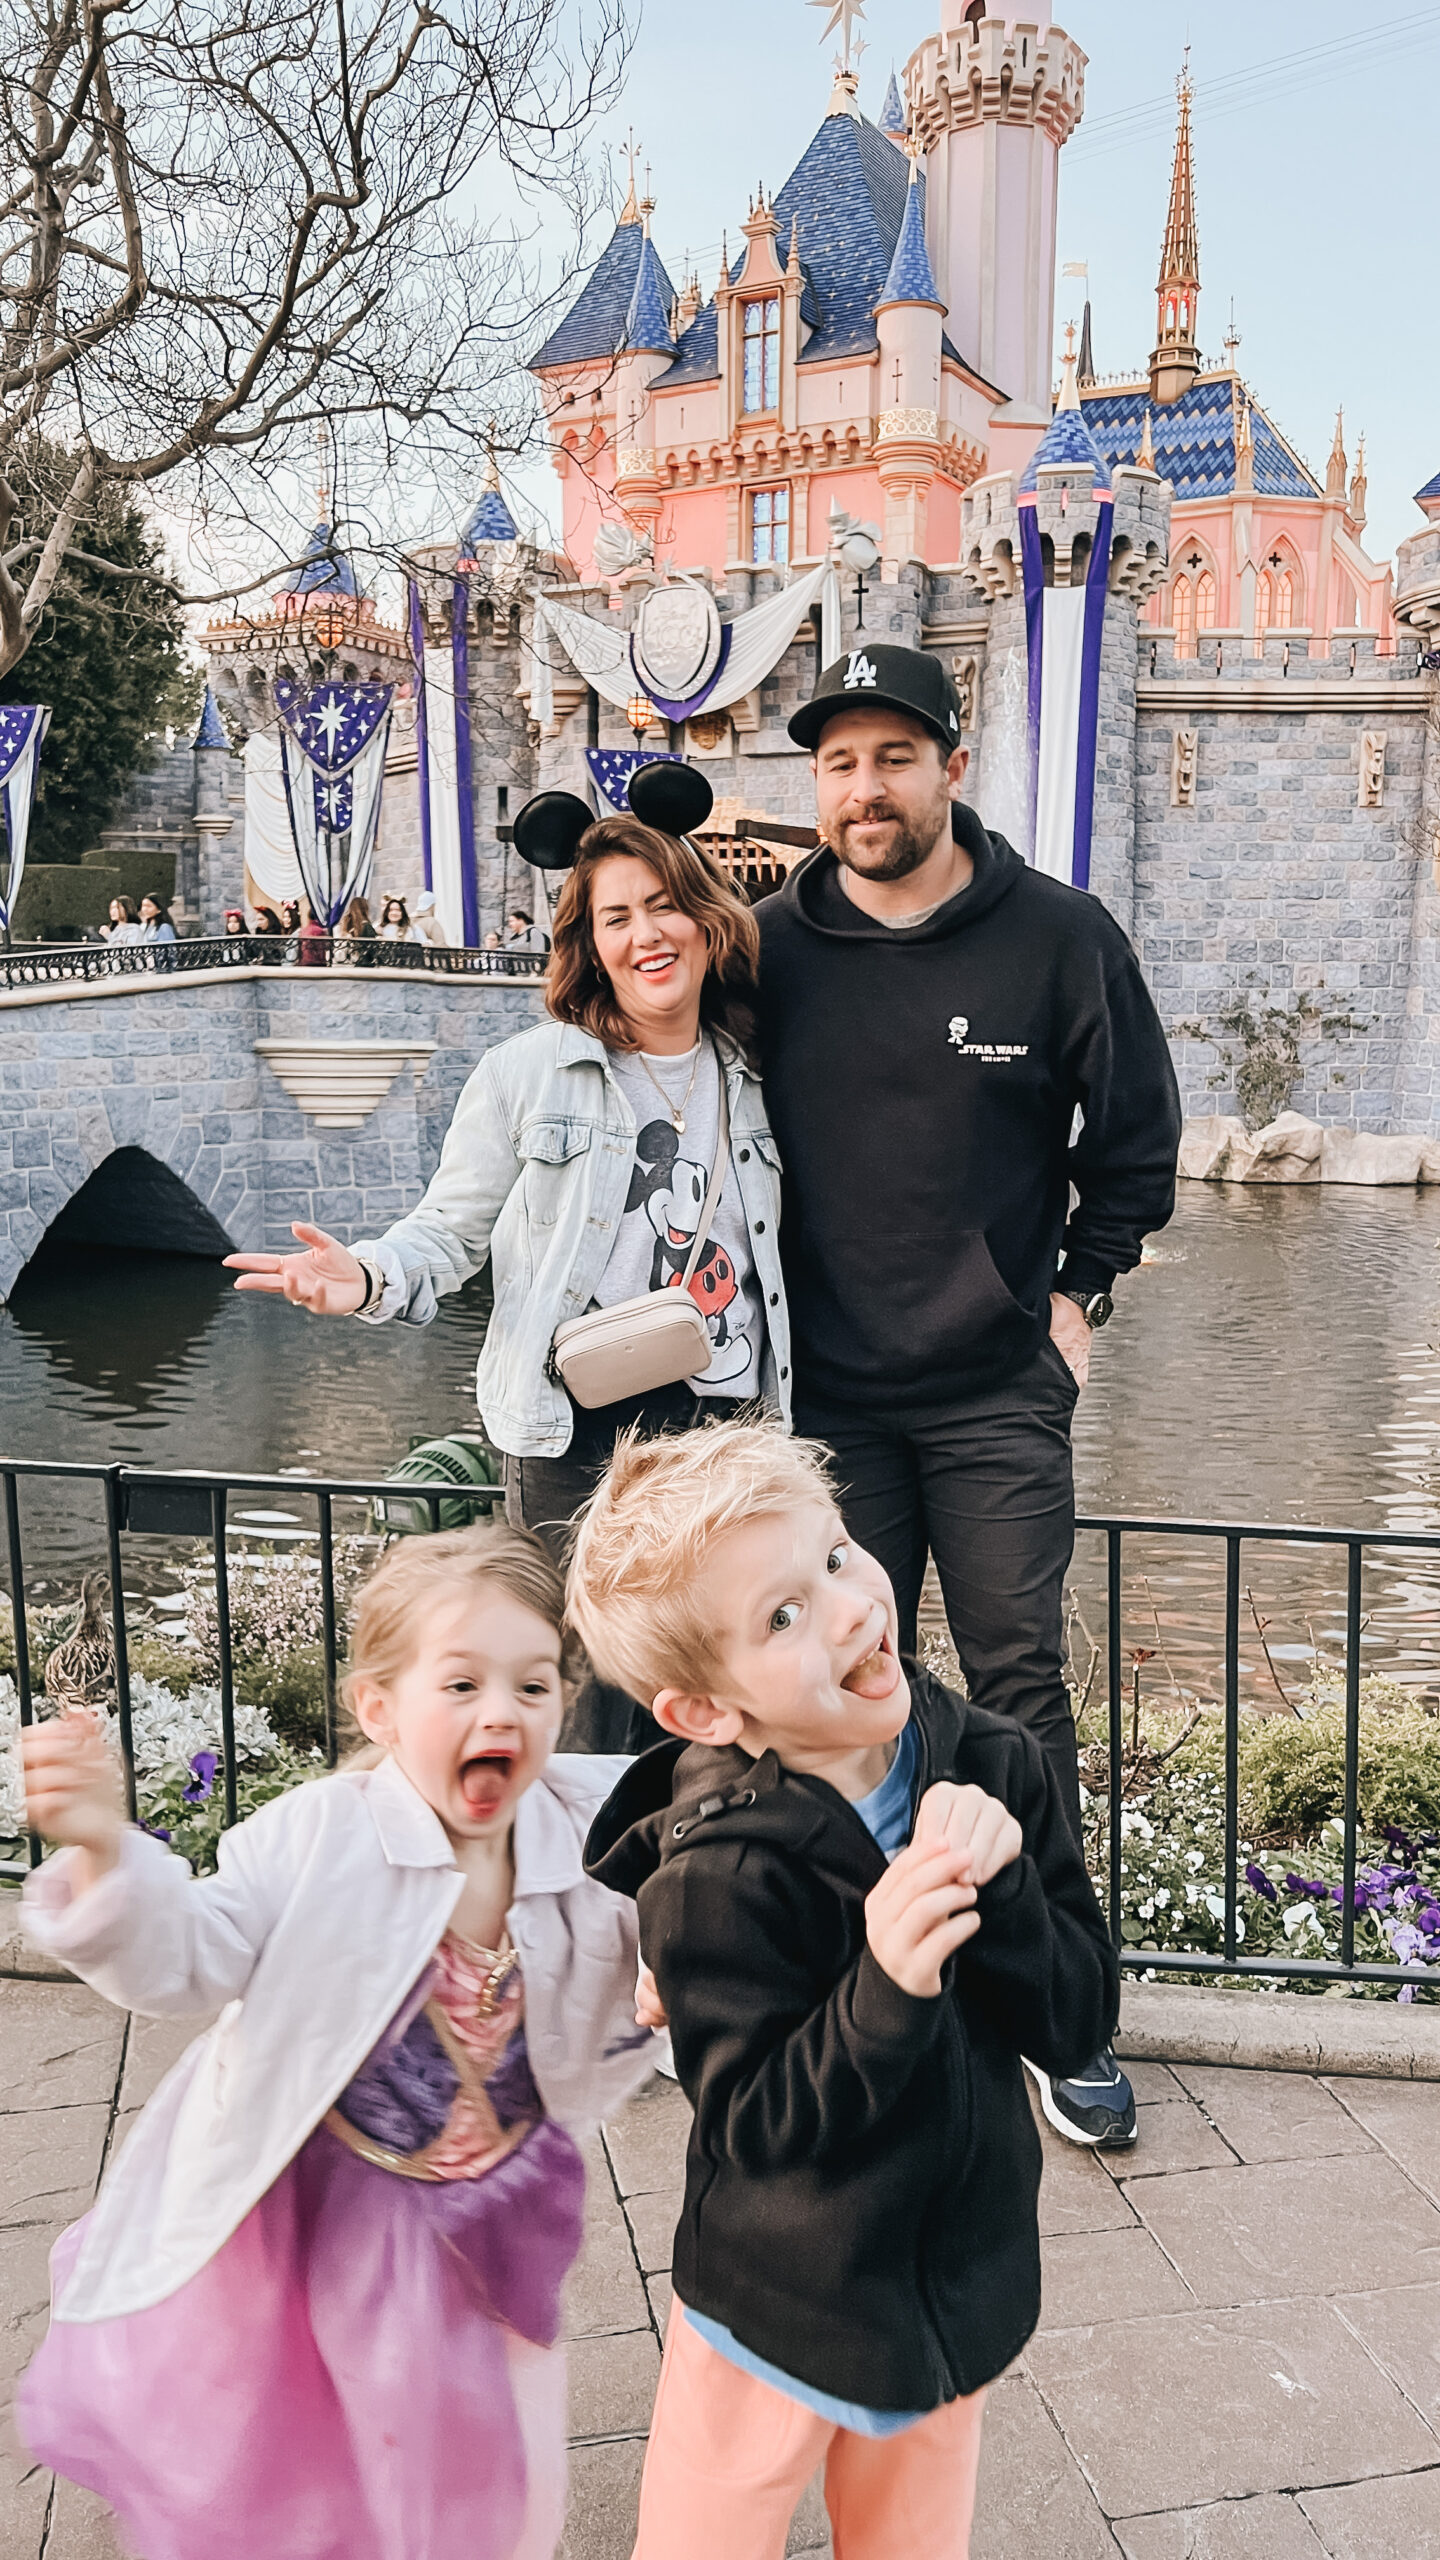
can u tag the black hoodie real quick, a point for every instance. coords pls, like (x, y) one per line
(860, 2190)
(922, 1086)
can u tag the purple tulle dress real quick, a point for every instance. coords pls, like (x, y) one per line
(367, 2370)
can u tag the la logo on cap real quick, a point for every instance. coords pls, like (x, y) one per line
(859, 670)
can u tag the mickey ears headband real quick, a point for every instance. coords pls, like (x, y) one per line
(672, 797)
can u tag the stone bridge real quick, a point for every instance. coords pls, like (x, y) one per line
(204, 1114)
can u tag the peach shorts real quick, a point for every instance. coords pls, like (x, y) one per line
(730, 2457)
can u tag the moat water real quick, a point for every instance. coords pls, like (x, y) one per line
(1278, 1359)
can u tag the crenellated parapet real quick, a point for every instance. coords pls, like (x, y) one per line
(1066, 513)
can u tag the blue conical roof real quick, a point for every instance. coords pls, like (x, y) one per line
(211, 732)
(910, 278)
(325, 571)
(647, 322)
(892, 114)
(1066, 441)
(490, 521)
(1430, 490)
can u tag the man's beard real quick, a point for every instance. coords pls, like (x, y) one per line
(913, 844)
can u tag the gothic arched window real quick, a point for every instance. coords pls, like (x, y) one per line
(1205, 601)
(1182, 614)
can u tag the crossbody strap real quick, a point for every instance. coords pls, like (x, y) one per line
(717, 1178)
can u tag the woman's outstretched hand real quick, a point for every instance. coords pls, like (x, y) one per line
(326, 1277)
(72, 1792)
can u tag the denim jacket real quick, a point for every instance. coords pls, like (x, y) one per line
(534, 1172)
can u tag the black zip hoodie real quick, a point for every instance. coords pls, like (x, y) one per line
(922, 1086)
(860, 2190)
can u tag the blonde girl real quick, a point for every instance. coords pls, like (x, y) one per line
(315, 2307)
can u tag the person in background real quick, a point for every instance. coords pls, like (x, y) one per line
(155, 924)
(235, 924)
(523, 934)
(312, 940)
(124, 924)
(356, 927)
(491, 942)
(395, 924)
(427, 923)
(269, 929)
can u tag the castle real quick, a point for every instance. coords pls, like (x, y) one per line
(870, 379)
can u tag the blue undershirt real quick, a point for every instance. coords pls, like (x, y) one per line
(888, 1813)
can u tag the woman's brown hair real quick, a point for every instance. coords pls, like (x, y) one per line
(576, 987)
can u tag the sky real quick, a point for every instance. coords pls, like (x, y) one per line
(1316, 130)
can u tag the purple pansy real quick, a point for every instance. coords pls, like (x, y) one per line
(203, 1766)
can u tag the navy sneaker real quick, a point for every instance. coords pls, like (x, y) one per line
(1096, 2106)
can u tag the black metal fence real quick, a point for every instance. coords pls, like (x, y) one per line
(55, 964)
(193, 1504)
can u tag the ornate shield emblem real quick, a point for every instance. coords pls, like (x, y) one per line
(677, 641)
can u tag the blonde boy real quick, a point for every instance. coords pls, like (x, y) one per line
(861, 1900)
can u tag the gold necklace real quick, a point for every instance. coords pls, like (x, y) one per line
(676, 1110)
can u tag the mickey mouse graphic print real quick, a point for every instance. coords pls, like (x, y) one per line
(668, 1183)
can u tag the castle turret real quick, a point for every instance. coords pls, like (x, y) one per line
(1176, 357)
(647, 348)
(992, 100)
(908, 317)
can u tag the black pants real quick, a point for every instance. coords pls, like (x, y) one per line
(984, 1483)
(544, 1494)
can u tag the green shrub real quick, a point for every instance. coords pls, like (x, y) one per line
(160, 1658)
(290, 1692)
(1292, 1770)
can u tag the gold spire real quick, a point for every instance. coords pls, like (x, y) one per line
(1358, 488)
(1244, 444)
(1337, 466)
(1069, 396)
(1176, 359)
(1146, 455)
(630, 209)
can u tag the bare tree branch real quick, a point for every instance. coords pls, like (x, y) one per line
(223, 221)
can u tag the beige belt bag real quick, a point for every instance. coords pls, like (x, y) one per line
(654, 1341)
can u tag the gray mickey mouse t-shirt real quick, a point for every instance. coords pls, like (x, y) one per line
(668, 1183)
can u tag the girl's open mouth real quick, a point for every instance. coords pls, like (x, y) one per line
(483, 1780)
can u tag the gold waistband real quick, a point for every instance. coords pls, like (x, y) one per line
(418, 2164)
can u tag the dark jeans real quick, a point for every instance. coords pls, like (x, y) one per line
(544, 1494)
(983, 1483)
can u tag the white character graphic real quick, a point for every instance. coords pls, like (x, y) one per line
(671, 1190)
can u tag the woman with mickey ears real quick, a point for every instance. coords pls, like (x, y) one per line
(580, 1161)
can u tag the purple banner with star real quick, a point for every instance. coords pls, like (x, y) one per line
(332, 759)
(611, 768)
(22, 730)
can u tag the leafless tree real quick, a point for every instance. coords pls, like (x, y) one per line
(227, 224)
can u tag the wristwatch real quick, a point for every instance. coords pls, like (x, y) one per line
(1096, 1305)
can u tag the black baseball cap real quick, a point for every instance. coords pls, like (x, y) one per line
(877, 678)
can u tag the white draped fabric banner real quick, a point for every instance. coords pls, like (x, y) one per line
(269, 845)
(1064, 634)
(758, 641)
(444, 799)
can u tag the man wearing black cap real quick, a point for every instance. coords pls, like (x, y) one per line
(935, 1013)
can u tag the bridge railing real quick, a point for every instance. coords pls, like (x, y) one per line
(193, 1504)
(40, 965)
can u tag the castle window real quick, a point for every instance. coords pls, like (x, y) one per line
(762, 354)
(1274, 598)
(770, 525)
(1182, 615)
(1204, 602)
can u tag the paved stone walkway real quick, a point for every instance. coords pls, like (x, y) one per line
(1239, 2360)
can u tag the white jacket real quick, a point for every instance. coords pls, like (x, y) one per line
(327, 1907)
